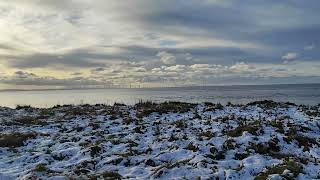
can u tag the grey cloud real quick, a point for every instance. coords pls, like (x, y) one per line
(76, 74)
(76, 58)
(7, 47)
(22, 75)
(242, 22)
(99, 69)
(220, 55)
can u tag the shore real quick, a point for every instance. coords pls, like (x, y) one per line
(172, 140)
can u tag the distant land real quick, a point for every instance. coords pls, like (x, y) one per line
(171, 87)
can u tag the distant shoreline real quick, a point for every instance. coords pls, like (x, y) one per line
(197, 86)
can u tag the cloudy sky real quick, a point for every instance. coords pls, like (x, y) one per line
(59, 43)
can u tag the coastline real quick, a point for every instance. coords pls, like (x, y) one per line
(161, 141)
(173, 87)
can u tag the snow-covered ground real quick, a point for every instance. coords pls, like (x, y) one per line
(259, 140)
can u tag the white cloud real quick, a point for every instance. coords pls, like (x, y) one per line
(241, 67)
(309, 47)
(166, 58)
(175, 68)
(290, 56)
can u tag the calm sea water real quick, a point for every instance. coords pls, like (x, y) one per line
(300, 94)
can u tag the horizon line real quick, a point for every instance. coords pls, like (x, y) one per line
(160, 87)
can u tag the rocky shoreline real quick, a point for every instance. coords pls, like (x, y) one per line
(171, 140)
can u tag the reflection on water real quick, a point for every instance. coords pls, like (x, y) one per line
(300, 94)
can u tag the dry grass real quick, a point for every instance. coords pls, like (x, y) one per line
(148, 107)
(302, 141)
(180, 124)
(15, 140)
(294, 168)
(213, 107)
(269, 104)
(95, 150)
(252, 128)
(41, 168)
(26, 121)
(108, 175)
(192, 147)
(207, 134)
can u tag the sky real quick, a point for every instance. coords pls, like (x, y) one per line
(152, 43)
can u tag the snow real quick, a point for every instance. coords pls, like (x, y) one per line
(86, 141)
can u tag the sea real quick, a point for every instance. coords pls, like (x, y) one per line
(308, 94)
